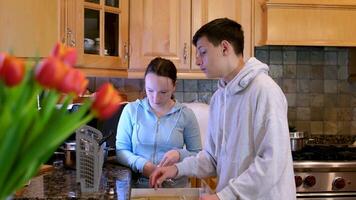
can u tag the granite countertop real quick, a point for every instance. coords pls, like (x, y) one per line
(61, 184)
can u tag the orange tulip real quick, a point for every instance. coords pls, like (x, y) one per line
(12, 69)
(66, 54)
(73, 81)
(106, 101)
(50, 72)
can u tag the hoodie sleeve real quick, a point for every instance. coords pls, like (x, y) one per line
(204, 163)
(271, 149)
(191, 135)
(124, 154)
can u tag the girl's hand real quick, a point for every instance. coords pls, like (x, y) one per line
(169, 158)
(148, 168)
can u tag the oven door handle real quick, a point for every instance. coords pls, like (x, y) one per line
(326, 194)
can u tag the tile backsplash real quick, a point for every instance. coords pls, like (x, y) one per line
(314, 80)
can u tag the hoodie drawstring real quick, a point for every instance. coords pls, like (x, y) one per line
(224, 121)
(175, 125)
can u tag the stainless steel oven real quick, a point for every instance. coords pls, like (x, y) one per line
(325, 172)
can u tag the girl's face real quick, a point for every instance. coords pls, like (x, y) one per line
(159, 90)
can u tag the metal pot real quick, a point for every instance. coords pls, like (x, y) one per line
(69, 152)
(297, 140)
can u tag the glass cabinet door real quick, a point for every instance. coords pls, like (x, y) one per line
(105, 34)
(111, 34)
(91, 31)
(113, 3)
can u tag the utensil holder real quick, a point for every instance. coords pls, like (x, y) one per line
(89, 158)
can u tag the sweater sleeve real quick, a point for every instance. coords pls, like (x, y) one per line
(124, 153)
(204, 163)
(191, 135)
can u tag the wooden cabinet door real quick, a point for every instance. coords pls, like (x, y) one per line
(204, 11)
(30, 28)
(303, 22)
(101, 36)
(159, 28)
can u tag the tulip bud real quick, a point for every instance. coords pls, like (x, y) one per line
(50, 72)
(73, 81)
(12, 70)
(106, 101)
(67, 55)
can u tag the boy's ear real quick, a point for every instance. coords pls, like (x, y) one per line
(225, 46)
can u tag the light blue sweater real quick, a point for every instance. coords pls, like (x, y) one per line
(142, 136)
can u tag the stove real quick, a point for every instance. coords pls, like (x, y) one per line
(325, 172)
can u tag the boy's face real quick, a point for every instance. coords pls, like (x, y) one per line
(209, 58)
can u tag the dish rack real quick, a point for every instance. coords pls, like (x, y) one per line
(89, 158)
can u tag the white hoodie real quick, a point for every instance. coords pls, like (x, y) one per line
(247, 144)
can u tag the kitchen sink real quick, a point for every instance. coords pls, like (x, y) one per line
(166, 193)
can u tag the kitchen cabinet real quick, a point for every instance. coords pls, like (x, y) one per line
(165, 28)
(305, 22)
(204, 11)
(30, 28)
(97, 28)
(100, 32)
(159, 28)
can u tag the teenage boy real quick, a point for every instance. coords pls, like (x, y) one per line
(247, 145)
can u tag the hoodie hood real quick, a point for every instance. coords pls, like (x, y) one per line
(252, 68)
(247, 74)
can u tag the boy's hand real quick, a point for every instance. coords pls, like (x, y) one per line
(161, 174)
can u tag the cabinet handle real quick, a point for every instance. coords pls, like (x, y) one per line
(185, 53)
(126, 49)
(69, 36)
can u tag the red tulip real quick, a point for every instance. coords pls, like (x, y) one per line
(73, 81)
(106, 101)
(50, 72)
(66, 54)
(12, 69)
(2, 58)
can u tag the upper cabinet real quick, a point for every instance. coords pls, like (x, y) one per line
(305, 22)
(165, 28)
(100, 33)
(204, 11)
(30, 28)
(97, 28)
(159, 28)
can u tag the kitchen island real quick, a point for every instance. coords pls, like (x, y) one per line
(61, 183)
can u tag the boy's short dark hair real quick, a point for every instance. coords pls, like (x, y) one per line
(222, 29)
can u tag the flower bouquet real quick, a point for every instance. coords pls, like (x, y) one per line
(28, 134)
